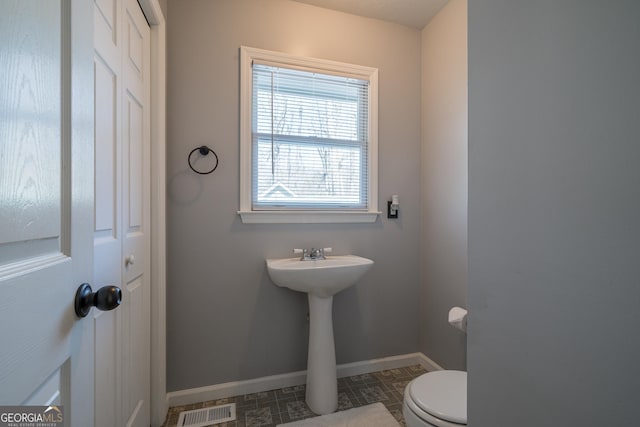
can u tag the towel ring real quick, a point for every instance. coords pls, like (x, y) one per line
(204, 151)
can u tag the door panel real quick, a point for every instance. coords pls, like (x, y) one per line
(108, 219)
(134, 141)
(52, 391)
(121, 239)
(30, 209)
(137, 220)
(107, 368)
(108, 10)
(106, 151)
(136, 346)
(46, 178)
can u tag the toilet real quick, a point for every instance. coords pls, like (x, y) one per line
(437, 399)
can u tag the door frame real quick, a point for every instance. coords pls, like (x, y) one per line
(157, 23)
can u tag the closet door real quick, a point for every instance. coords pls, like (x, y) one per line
(136, 195)
(122, 218)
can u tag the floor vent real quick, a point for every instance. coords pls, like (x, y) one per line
(207, 416)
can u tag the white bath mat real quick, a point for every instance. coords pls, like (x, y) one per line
(375, 415)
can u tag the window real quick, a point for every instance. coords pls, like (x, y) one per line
(308, 139)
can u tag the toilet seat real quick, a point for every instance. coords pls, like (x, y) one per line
(439, 398)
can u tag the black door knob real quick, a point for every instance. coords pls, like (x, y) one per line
(106, 298)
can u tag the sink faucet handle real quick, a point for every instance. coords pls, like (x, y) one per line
(304, 252)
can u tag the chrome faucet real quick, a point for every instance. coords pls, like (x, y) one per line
(313, 254)
(317, 254)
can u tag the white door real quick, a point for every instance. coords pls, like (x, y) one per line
(122, 211)
(46, 199)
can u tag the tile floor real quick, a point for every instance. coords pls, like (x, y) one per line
(270, 408)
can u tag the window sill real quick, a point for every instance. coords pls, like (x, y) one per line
(306, 217)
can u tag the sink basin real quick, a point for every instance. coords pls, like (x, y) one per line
(322, 278)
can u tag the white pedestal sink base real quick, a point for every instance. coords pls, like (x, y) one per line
(321, 279)
(322, 382)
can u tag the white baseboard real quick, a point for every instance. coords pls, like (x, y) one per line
(235, 388)
(428, 364)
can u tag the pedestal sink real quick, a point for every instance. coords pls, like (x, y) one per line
(321, 279)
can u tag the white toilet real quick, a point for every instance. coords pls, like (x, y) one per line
(436, 398)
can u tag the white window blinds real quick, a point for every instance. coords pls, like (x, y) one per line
(309, 140)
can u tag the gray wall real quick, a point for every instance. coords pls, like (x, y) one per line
(554, 209)
(226, 320)
(444, 183)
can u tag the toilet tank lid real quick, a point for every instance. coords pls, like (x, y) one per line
(442, 394)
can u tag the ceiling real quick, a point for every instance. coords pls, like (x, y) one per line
(411, 13)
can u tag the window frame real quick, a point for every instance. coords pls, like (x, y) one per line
(246, 212)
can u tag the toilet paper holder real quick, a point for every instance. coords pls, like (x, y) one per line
(458, 318)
